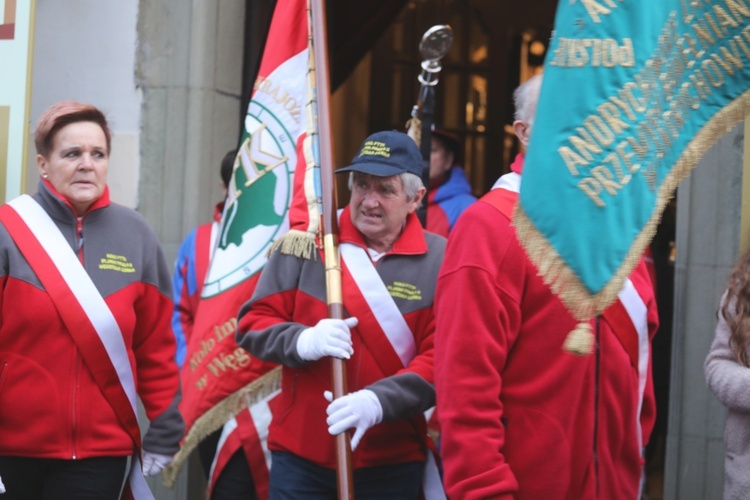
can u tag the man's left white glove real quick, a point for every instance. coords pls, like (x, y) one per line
(2, 486)
(154, 463)
(360, 410)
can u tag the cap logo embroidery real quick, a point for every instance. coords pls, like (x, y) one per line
(375, 148)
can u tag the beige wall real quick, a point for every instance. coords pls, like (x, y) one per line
(189, 68)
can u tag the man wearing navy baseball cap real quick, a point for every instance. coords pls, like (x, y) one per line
(389, 271)
(386, 187)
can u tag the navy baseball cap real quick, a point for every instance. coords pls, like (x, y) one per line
(387, 153)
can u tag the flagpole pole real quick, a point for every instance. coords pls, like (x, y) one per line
(330, 231)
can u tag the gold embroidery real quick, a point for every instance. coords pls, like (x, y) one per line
(402, 290)
(117, 263)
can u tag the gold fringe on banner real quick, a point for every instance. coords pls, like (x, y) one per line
(220, 414)
(561, 278)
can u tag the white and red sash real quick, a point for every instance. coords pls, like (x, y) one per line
(379, 301)
(393, 328)
(247, 431)
(84, 312)
(628, 318)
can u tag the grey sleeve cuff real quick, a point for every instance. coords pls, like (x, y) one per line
(166, 431)
(403, 396)
(277, 344)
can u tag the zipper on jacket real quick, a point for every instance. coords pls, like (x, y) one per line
(79, 252)
(79, 238)
(74, 405)
(597, 362)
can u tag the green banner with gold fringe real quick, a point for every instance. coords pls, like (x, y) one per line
(634, 92)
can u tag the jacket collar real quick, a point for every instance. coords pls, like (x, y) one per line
(517, 165)
(410, 242)
(60, 208)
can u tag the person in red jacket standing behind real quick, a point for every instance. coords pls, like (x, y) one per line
(521, 417)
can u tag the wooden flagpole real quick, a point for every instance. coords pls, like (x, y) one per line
(330, 231)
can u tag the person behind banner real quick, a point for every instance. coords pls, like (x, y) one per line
(727, 371)
(521, 417)
(82, 327)
(389, 266)
(192, 264)
(234, 480)
(450, 193)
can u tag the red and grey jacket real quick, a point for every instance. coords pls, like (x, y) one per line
(50, 405)
(520, 417)
(291, 296)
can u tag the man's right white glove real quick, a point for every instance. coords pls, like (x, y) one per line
(2, 486)
(330, 337)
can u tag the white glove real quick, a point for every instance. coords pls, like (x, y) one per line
(2, 486)
(359, 409)
(330, 337)
(154, 463)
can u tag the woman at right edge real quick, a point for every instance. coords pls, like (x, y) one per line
(727, 370)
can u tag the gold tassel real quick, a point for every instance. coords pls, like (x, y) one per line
(297, 243)
(414, 130)
(581, 340)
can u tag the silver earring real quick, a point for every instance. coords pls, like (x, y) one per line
(44, 176)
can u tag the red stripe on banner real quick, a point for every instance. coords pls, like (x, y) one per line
(7, 31)
(299, 214)
(76, 321)
(284, 38)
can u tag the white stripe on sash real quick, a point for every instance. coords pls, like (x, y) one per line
(393, 324)
(86, 293)
(261, 413)
(638, 313)
(510, 181)
(226, 431)
(379, 301)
